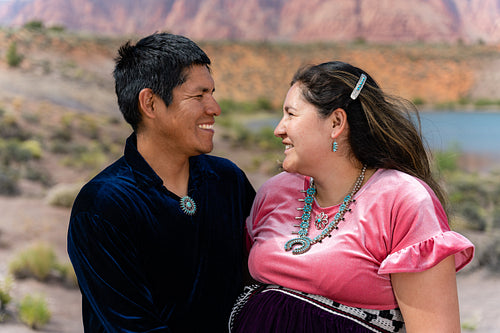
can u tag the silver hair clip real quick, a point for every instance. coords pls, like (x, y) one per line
(358, 87)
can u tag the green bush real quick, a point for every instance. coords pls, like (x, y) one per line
(14, 59)
(10, 128)
(63, 195)
(66, 273)
(34, 311)
(245, 107)
(484, 102)
(266, 139)
(63, 134)
(496, 218)
(264, 104)
(37, 174)
(473, 215)
(57, 28)
(34, 25)
(418, 101)
(446, 161)
(14, 150)
(8, 183)
(37, 261)
(5, 289)
(491, 255)
(33, 147)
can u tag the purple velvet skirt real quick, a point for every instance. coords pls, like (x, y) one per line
(285, 310)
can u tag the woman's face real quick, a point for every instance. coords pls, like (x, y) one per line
(306, 135)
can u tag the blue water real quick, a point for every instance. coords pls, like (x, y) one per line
(469, 132)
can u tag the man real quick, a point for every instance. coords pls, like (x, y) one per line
(157, 238)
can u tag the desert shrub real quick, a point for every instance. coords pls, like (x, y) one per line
(34, 25)
(446, 161)
(92, 160)
(243, 135)
(66, 274)
(8, 183)
(63, 195)
(31, 118)
(37, 174)
(62, 134)
(62, 147)
(33, 147)
(473, 215)
(464, 100)
(229, 106)
(13, 150)
(34, 311)
(496, 194)
(491, 255)
(468, 188)
(484, 102)
(57, 28)
(10, 128)
(418, 101)
(90, 157)
(37, 261)
(496, 218)
(264, 104)
(14, 59)
(5, 289)
(266, 139)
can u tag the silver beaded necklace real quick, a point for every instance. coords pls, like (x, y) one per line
(303, 240)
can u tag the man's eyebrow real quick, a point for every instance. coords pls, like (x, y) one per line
(205, 89)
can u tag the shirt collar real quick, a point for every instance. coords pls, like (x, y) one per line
(145, 176)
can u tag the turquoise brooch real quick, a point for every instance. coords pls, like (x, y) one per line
(188, 206)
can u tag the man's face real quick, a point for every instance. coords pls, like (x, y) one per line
(186, 126)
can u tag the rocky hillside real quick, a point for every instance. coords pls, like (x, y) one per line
(80, 67)
(468, 21)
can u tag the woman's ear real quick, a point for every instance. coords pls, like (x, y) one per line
(146, 103)
(338, 119)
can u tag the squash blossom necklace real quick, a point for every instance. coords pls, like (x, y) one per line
(321, 222)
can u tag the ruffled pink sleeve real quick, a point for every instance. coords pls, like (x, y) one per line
(420, 236)
(426, 254)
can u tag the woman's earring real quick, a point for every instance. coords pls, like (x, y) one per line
(335, 145)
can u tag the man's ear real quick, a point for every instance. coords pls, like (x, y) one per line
(338, 120)
(146, 103)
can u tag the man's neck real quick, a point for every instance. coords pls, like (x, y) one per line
(171, 166)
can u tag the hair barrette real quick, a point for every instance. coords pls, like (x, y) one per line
(358, 87)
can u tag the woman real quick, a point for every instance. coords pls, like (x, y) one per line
(353, 236)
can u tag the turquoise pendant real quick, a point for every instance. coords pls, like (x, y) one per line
(304, 242)
(188, 205)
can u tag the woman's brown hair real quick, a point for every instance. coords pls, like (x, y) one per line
(384, 129)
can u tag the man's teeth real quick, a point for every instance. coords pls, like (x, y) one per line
(288, 146)
(206, 126)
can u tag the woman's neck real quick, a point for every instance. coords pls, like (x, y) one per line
(333, 188)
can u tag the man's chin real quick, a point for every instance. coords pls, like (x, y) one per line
(206, 150)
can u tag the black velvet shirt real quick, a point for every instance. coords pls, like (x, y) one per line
(145, 266)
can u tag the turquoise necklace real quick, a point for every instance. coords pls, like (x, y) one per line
(305, 242)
